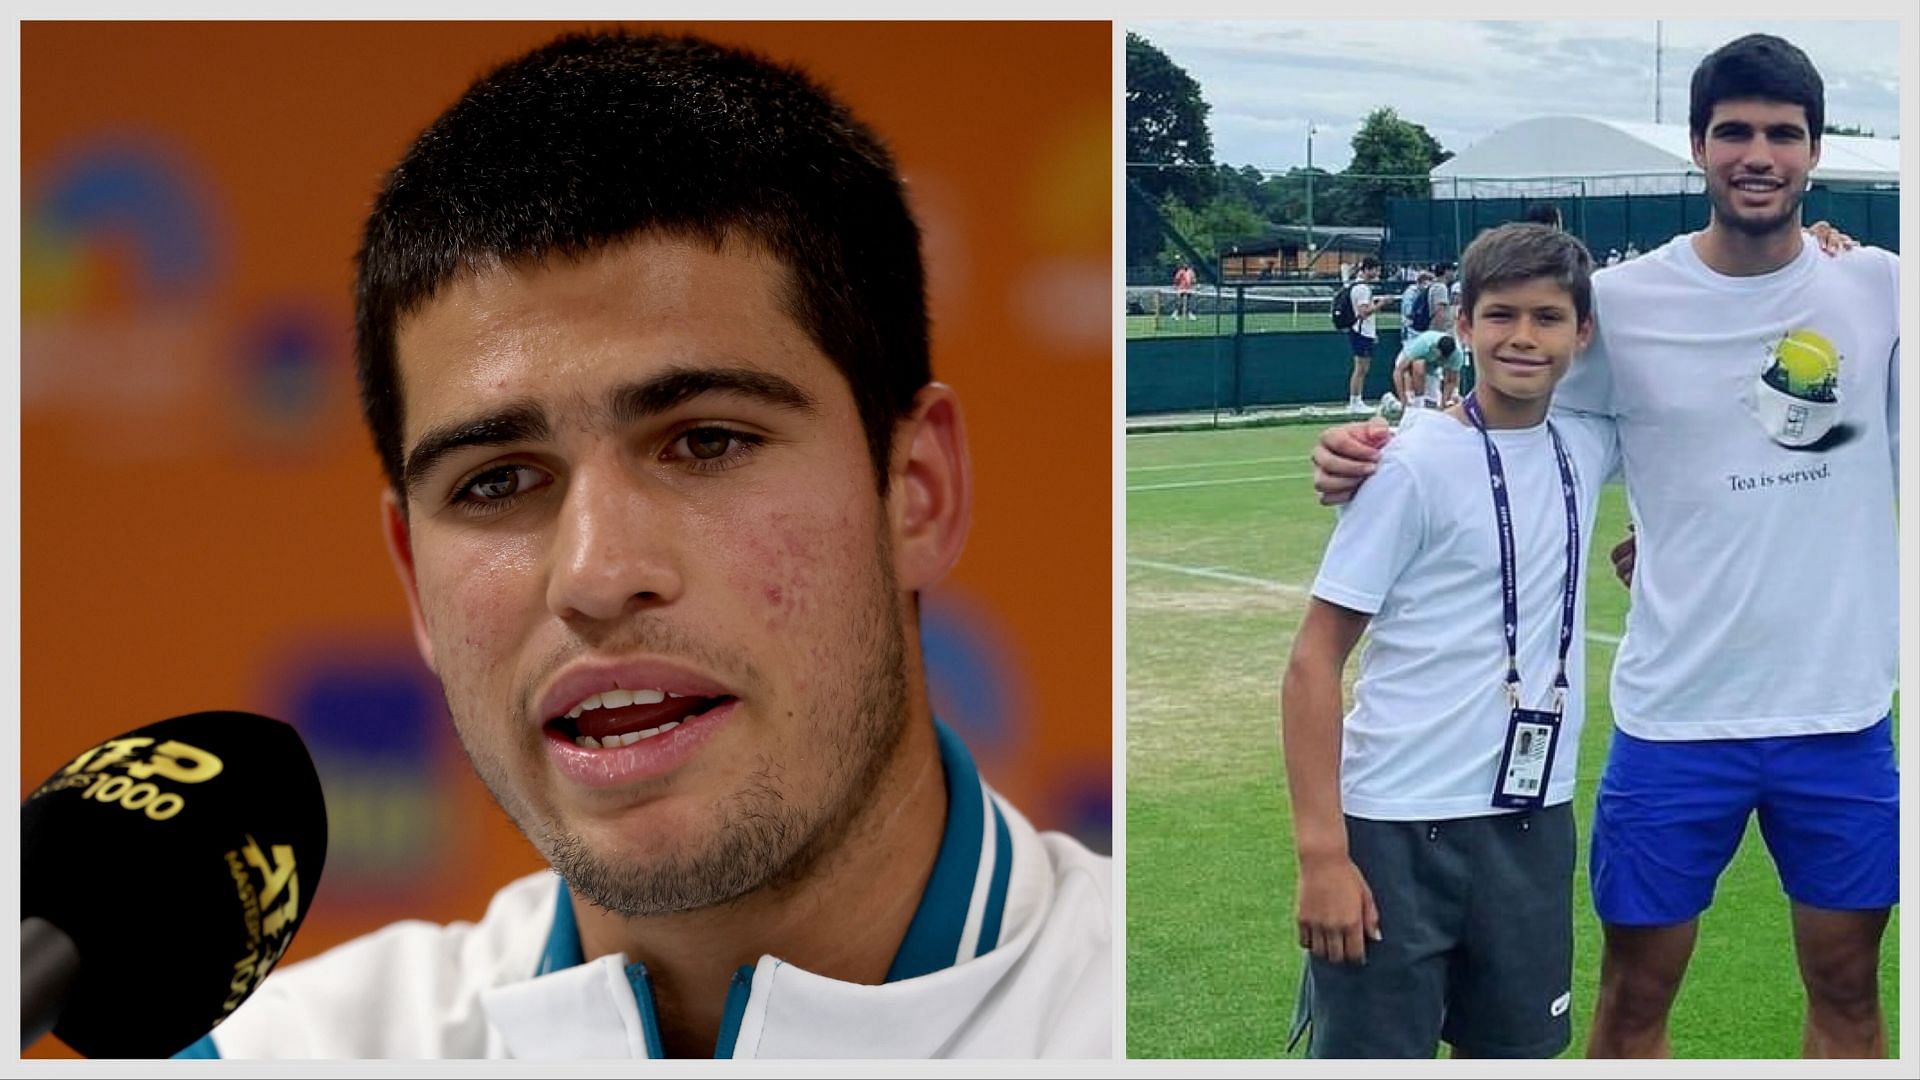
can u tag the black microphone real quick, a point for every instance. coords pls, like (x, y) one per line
(162, 874)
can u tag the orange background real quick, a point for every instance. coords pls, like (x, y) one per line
(184, 544)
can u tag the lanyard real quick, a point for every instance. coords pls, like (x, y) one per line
(1509, 588)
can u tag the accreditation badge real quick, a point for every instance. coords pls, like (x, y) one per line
(1527, 761)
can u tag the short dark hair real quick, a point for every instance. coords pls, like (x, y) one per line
(1522, 251)
(1544, 213)
(1446, 345)
(1369, 262)
(1757, 66)
(594, 139)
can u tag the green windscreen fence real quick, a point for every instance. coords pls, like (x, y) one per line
(1432, 230)
(1235, 372)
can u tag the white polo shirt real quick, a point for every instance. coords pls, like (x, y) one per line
(1009, 955)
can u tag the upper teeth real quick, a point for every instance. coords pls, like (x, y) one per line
(615, 699)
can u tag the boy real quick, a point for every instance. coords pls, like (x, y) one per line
(1435, 832)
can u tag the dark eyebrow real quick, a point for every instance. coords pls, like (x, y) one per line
(678, 384)
(526, 422)
(516, 423)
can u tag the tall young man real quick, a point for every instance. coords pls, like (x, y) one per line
(1770, 372)
(643, 345)
(1754, 385)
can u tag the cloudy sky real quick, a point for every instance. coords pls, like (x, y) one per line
(1463, 79)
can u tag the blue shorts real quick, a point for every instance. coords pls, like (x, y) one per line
(1360, 344)
(1671, 814)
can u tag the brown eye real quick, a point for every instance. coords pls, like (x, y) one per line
(502, 483)
(705, 444)
(497, 489)
(712, 448)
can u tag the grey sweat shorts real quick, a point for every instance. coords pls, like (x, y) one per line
(1476, 949)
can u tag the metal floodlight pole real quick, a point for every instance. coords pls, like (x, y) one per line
(1658, 33)
(1310, 197)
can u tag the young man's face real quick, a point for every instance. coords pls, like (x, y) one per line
(649, 481)
(1757, 155)
(1523, 337)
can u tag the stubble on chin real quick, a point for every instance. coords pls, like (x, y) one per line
(767, 835)
(1772, 224)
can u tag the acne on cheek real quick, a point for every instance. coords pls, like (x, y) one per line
(778, 566)
(792, 563)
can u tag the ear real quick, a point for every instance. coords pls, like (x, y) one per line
(400, 550)
(1585, 335)
(930, 488)
(1699, 144)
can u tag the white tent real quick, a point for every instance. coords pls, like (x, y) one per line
(1574, 155)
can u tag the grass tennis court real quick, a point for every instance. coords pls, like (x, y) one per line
(1223, 537)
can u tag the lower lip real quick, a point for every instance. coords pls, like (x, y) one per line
(648, 759)
(1522, 365)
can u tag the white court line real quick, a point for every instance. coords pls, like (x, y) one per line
(1216, 464)
(1214, 573)
(1215, 483)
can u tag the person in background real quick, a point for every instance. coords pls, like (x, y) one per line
(1364, 338)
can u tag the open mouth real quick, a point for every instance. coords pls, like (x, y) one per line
(620, 718)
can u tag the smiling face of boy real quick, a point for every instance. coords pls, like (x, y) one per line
(1523, 337)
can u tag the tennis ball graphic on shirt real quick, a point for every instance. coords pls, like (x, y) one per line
(1806, 365)
(1797, 396)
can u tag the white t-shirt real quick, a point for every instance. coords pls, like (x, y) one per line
(1417, 548)
(1362, 295)
(1765, 588)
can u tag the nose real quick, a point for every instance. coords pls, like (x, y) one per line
(1757, 154)
(615, 548)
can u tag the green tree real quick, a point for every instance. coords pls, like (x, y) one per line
(1391, 158)
(1216, 226)
(1167, 128)
(1832, 128)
